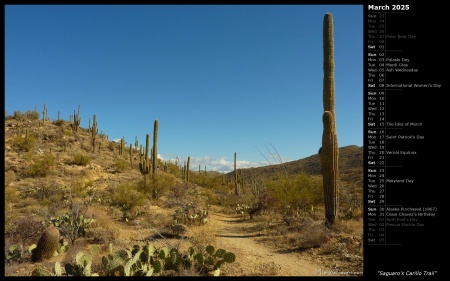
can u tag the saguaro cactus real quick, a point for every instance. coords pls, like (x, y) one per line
(329, 152)
(143, 163)
(76, 120)
(187, 168)
(136, 143)
(131, 156)
(44, 113)
(94, 132)
(235, 177)
(155, 148)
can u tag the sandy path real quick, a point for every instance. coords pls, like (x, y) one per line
(253, 258)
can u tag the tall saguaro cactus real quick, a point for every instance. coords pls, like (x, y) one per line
(44, 113)
(143, 163)
(136, 143)
(131, 156)
(188, 168)
(155, 148)
(235, 177)
(329, 152)
(94, 132)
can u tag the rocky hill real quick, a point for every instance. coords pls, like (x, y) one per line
(350, 166)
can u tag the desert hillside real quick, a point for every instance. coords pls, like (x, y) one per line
(105, 198)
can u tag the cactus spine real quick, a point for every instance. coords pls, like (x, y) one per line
(329, 151)
(155, 148)
(47, 245)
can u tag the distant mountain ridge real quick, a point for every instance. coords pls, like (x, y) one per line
(350, 166)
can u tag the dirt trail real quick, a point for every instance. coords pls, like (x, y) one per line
(253, 258)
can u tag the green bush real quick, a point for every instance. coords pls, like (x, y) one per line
(296, 192)
(24, 143)
(80, 159)
(41, 166)
(18, 115)
(126, 197)
(67, 133)
(32, 115)
(157, 185)
(80, 188)
(59, 122)
(121, 165)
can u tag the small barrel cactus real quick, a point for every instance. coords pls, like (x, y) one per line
(47, 244)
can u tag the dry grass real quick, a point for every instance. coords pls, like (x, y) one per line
(202, 236)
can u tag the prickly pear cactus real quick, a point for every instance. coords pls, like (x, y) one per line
(47, 245)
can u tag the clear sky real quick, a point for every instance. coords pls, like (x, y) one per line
(220, 79)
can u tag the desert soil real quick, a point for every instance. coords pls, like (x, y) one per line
(253, 258)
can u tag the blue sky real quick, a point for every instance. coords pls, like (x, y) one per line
(220, 79)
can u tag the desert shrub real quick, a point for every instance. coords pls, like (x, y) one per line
(32, 115)
(312, 236)
(81, 188)
(67, 133)
(26, 201)
(121, 165)
(176, 194)
(100, 235)
(350, 243)
(157, 185)
(80, 159)
(24, 143)
(104, 228)
(40, 190)
(25, 230)
(18, 115)
(41, 166)
(10, 176)
(111, 146)
(11, 196)
(211, 197)
(295, 193)
(54, 202)
(126, 197)
(202, 236)
(59, 122)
